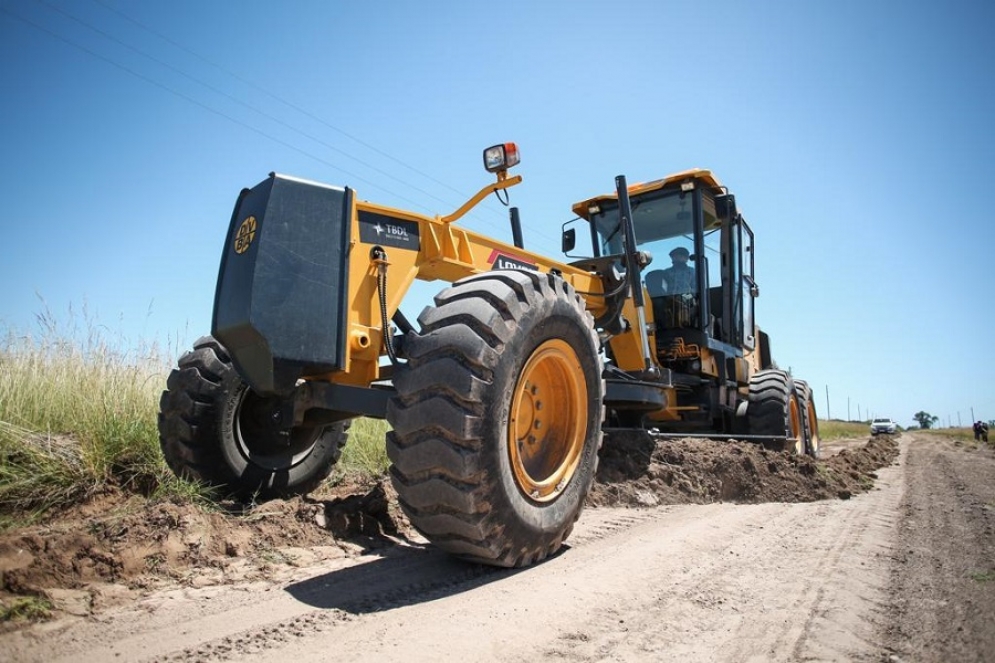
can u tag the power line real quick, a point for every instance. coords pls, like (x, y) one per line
(275, 97)
(236, 121)
(314, 117)
(190, 99)
(245, 105)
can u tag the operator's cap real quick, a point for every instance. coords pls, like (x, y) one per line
(680, 251)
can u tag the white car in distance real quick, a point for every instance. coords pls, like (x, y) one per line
(886, 426)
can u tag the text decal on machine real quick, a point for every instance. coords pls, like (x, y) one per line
(388, 231)
(500, 260)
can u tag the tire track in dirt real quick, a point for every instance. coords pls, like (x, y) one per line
(827, 562)
(377, 590)
(215, 623)
(716, 582)
(943, 581)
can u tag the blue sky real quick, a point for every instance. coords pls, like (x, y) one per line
(856, 135)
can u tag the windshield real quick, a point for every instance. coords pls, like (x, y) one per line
(664, 227)
(663, 220)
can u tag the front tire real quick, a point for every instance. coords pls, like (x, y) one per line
(214, 429)
(497, 418)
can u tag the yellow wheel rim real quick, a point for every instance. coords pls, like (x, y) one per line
(548, 421)
(813, 423)
(797, 430)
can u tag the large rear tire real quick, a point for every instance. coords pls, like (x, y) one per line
(213, 428)
(497, 418)
(774, 410)
(810, 419)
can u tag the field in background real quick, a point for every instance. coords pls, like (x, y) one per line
(834, 429)
(959, 435)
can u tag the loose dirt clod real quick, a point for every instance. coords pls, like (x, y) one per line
(110, 549)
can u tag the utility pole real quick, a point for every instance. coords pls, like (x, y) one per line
(848, 408)
(830, 416)
(959, 424)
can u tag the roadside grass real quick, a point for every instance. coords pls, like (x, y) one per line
(365, 454)
(963, 434)
(79, 416)
(959, 436)
(834, 429)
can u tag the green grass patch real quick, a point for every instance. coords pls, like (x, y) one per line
(365, 454)
(27, 608)
(826, 473)
(983, 576)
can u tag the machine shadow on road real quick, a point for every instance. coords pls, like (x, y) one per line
(402, 576)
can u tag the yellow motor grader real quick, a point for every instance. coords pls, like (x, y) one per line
(498, 400)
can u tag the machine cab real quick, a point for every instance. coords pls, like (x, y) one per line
(700, 280)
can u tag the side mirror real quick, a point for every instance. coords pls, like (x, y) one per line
(725, 206)
(569, 240)
(754, 288)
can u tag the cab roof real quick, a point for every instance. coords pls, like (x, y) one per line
(704, 176)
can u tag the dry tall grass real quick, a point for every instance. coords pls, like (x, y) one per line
(832, 429)
(79, 414)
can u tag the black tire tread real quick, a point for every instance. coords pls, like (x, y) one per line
(439, 468)
(189, 428)
(770, 395)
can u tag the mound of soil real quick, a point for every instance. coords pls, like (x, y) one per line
(635, 470)
(112, 548)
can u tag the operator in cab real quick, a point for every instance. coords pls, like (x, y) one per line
(679, 277)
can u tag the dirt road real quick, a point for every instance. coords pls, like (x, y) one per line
(903, 572)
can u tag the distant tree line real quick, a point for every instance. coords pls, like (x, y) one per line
(927, 420)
